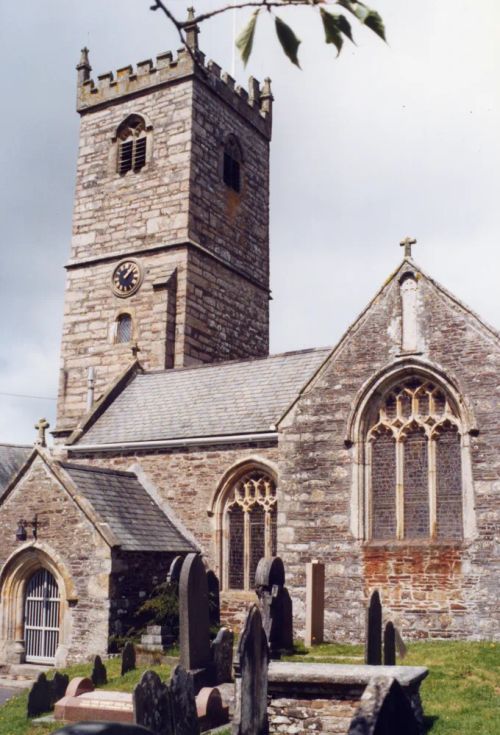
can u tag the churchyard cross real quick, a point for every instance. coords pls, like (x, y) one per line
(406, 244)
(41, 427)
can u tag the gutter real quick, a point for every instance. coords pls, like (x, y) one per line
(199, 441)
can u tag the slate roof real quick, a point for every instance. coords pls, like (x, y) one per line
(12, 457)
(122, 502)
(237, 397)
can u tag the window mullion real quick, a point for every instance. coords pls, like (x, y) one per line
(246, 548)
(432, 488)
(400, 526)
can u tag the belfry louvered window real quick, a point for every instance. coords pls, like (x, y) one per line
(414, 464)
(132, 144)
(232, 163)
(250, 520)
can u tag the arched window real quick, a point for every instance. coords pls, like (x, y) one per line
(233, 159)
(414, 464)
(249, 528)
(131, 136)
(123, 328)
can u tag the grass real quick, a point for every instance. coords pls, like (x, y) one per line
(13, 720)
(461, 695)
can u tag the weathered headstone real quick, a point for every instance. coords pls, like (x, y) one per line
(152, 704)
(400, 644)
(373, 650)
(250, 717)
(275, 605)
(384, 709)
(40, 697)
(194, 633)
(222, 656)
(99, 674)
(389, 645)
(213, 599)
(315, 603)
(128, 658)
(58, 685)
(184, 711)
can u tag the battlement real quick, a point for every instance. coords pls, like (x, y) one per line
(255, 104)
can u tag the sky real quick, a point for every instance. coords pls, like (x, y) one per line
(387, 140)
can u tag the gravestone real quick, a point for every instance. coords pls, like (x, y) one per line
(400, 644)
(40, 697)
(174, 573)
(128, 658)
(152, 704)
(384, 709)
(389, 645)
(194, 626)
(373, 650)
(250, 717)
(99, 674)
(185, 715)
(275, 605)
(213, 599)
(222, 656)
(58, 685)
(315, 603)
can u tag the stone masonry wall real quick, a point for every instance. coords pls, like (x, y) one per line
(429, 589)
(68, 537)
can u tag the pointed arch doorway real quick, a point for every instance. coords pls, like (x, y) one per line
(41, 617)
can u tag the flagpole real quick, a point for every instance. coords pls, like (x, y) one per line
(233, 55)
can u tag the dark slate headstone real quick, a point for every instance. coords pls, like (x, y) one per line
(213, 599)
(102, 728)
(389, 645)
(58, 684)
(185, 715)
(373, 650)
(40, 697)
(194, 633)
(275, 605)
(384, 709)
(222, 656)
(250, 717)
(128, 657)
(99, 674)
(152, 704)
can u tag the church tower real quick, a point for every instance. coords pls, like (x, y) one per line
(170, 249)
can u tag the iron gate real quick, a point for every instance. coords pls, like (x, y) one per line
(41, 618)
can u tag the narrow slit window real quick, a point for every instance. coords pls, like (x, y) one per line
(124, 328)
(232, 164)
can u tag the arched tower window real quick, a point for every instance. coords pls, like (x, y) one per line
(131, 136)
(249, 528)
(414, 464)
(123, 328)
(233, 158)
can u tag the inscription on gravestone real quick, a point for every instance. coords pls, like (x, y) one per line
(250, 716)
(373, 651)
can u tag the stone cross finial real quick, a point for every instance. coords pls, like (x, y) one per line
(407, 243)
(41, 427)
(192, 30)
(135, 349)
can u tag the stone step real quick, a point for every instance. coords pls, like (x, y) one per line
(26, 671)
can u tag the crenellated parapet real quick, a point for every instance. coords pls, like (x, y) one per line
(254, 103)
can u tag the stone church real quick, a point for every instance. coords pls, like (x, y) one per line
(177, 431)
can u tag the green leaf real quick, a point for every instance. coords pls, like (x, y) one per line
(332, 29)
(345, 27)
(375, 23)
(244, 42)
(289, 41)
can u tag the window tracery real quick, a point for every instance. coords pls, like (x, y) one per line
(414, 473)
(250, 520)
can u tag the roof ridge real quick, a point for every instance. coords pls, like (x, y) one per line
(237, 361)
(16, 446)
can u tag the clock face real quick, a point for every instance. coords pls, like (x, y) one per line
(127, 278)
